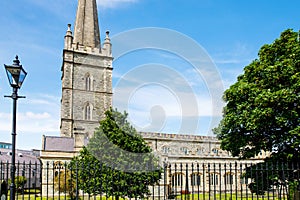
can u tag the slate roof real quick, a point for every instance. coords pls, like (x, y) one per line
(62, 144)
(21, 156)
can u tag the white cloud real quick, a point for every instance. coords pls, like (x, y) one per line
(174, 103)
(170, 97)
(30, 128)
(30, 122)
(57, 7)
(157, 108)
(239, 53)
(37, 115)
(44, 100)
(113, 3)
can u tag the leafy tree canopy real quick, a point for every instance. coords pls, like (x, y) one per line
(263, 106)
(117, 161)
(64, 182)
(20, 181)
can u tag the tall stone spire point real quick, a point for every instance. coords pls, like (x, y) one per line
(86, 31)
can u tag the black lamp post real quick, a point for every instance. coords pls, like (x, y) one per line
(16, 76)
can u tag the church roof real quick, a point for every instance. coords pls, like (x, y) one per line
(63, 144)
(22, 156)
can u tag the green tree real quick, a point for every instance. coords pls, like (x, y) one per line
(271, 175)
(20, 182)
(262, 111)
(262, 107)
(65, 183)
(117, 161)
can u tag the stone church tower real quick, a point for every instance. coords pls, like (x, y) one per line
(86, 74)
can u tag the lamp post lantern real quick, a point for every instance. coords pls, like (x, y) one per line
(16, 76)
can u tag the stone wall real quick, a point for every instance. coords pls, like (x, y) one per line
(86, 82)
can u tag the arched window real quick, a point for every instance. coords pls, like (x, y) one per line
(177, 179)
(200, 150)
(58, 167)
(214, 179)
(88, 83)
(184, 150)
(228, 178)
(215, 151)
(87, 112)
(165, 149)
(195, 179)
(86, 136)
(244, 180)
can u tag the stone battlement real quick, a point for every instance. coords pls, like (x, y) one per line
(174, 136)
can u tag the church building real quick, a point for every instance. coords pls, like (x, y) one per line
(87, 93)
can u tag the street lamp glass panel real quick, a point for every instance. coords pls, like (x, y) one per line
(15, 74)
(22, 76)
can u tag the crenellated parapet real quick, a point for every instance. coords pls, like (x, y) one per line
(175, 136)
(72, 45)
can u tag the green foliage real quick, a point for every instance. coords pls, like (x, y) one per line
(64, 182)
(262, 111)
(117, 161)
(268, 175)
(20, 181)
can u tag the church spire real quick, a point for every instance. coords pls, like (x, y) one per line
(86, 32)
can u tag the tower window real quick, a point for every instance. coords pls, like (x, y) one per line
(87, 112)
(86, 136)
(88, 83)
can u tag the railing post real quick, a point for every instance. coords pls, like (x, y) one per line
(220, 174)
(23, 174)
(209, 180)
(241, 179)
(77, 189)
(29, 174)
(65, 179)
(230, 172)
(170, 179)
(186, 180)
(235, 181)
(204, 182)
(47, 179)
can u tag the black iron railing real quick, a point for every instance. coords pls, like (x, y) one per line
(205, 181)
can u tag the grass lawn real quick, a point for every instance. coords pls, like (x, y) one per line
(62, 197)
(228, 196)
(204, 196)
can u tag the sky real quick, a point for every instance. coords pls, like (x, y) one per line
(173, 58)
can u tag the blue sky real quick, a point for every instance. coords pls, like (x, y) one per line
(160, 87)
